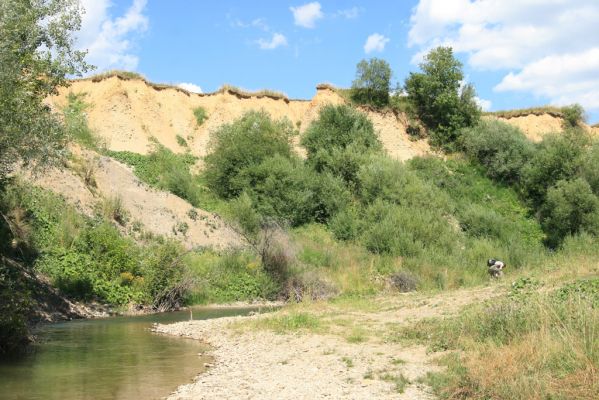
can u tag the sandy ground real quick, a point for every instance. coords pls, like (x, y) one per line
(535, 127)
(260, 364)
(158, 212)
(129, 114)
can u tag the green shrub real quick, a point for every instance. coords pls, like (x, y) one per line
(75, 121)
(473, 195)
(501, 148)
(571, 207)
(589, 169)
(558, 157)
(439, 99)
(231, 276)
(381, 178)
(287, 190)
(573, 115)
(243, 144)
(87, 259)
(164, 170)
(347, 224)
(15, 307)
(181, 141)
(200, 114)
(406, 231)
(372, 83)
(339, 140)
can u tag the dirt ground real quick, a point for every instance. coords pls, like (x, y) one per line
(253, 363)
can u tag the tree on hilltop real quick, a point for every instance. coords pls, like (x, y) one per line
(442, 101)
(372, 83)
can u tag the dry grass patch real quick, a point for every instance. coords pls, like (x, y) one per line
(523, 112)
(247, 93)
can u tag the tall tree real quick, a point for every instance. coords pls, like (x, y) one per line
(442, 101)
(372, 83)
(36, 57)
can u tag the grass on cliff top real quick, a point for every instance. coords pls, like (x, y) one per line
(523, 112)
(248, 93)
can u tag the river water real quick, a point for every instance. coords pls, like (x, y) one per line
(112, 358)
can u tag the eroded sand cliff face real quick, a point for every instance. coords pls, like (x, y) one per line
(130, 114)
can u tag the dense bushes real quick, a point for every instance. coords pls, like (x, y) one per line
(90, 259)
(243, 144)
(288, 190)
(557, 157)
(501, 148)
(429, 212)
(570, 208)
(557, 178)
(338, 142)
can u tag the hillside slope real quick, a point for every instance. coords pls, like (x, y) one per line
(147, 210)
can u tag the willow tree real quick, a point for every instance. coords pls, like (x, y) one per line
(37, 56)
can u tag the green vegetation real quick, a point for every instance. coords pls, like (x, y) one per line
(372, 83)
(164, 170)
(339, 141)
(573, 115)
(438, 98)
(243, 144)
(522, 346)
(75, 122)
(181, 141)
(228, 277)
(200, 114)
(247, 94)
(426, 213)
(556, 178)
(121, 74)
(88, 258)
(36, 56)
(501, 148)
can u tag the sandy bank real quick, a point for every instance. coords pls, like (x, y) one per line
(261, 364)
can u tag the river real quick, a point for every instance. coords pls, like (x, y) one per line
(112, 358)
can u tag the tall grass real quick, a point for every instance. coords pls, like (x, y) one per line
(524, 346)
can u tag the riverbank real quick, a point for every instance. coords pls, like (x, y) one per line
(335, 350)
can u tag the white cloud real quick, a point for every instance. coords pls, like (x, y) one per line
(375, 42)
(349, 13)
(276, 41)
(521, 36)
(259, 23)
(307, 14)
(190, 87)
(484, 104)
(111, 41)
(565, 78)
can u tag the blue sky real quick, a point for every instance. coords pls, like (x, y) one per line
(517, 53)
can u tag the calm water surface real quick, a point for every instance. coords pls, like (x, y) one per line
(114, 358)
